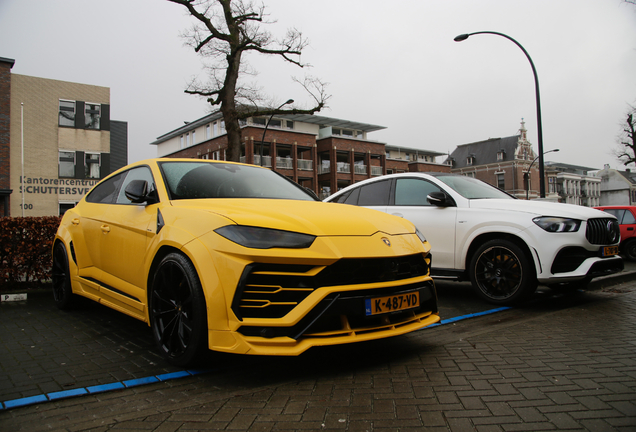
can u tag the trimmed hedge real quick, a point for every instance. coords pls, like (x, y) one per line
(25, 249)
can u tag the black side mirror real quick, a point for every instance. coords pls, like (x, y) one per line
(137, 192)
(439, 199)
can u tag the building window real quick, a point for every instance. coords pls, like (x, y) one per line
(259, 121)
(500, 155)
(289, 124)
(92, 165)
(181, 141)
(67, 113)
(207, 131)
(194, 137)
(470, 160)
(275, 123)
(67, 164)
(92, 115)
(501, 183)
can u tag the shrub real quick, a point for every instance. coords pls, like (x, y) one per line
(25, 249)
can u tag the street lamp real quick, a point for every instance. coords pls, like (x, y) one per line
(267, 125)
(526, 175)
(463, 37)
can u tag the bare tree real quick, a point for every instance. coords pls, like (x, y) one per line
(224, 32)
(626, 151)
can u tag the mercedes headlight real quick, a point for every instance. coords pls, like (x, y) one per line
(265, 238)
(557, 224)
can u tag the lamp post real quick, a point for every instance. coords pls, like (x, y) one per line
(289, 101)
(526, 174)
(463, 37)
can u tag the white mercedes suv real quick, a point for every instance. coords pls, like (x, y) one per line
(503, 245)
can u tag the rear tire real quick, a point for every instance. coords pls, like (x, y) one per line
(177, 311)
(501, 273)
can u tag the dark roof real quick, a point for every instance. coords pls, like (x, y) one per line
(485, 152)
(563, 167)
(629, 175)
(305, 118)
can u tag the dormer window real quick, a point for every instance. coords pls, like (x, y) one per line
(470, 160)
(501, 155)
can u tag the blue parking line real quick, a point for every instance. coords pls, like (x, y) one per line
(170, 376)
(32, 400)
(470, 315)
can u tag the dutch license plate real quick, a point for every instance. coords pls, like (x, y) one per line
(610, 251)
(398, 302)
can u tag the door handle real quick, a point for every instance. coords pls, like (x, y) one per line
(105, 229)
(398, 215)
(630, 229)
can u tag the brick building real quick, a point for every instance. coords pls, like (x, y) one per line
(68, 140)
(321, 153)
(502, 162)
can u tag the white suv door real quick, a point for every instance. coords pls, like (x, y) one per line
(410, 203)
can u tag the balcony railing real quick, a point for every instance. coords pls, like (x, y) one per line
(284, 163)
(267, 160)
(359, 169)
(305, 164)
(343, 167)
(324, 169)
(376, 170)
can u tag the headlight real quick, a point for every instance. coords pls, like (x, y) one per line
(265, 238)
(420, 235)
(557, 224)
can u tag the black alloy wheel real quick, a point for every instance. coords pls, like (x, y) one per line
(177, 310)
(61, 278)
(501, 273)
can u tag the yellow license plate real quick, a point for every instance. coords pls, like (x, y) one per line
(380, 305)
(610, 251)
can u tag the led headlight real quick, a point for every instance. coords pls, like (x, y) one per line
(557, 224)
(265, 238)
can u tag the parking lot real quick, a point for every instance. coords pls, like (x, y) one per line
(559, 362)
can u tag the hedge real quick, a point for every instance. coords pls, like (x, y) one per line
(25, 249)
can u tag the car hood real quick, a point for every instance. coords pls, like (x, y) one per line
(539, 208)
(310, 217)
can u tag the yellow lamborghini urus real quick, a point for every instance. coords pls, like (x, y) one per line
(237, 258)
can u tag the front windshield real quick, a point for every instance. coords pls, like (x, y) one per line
(199, 180)
(472, 188)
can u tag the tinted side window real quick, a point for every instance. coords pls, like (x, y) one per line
(413, 192)
(352, 198)
(375, 194)
(106, 191)
(629, 218)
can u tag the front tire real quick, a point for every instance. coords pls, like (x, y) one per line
(61, 278)
(177, 310)
(629, 249)
(501, 273)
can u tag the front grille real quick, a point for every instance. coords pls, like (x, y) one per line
(273, 290)
(341, 314)
(602, 231)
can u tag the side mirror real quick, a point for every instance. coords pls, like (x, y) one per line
(439, 199)
(137, 192)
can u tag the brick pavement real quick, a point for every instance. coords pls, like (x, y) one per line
(564, 364)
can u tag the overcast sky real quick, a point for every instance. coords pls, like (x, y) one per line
(393, 64)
